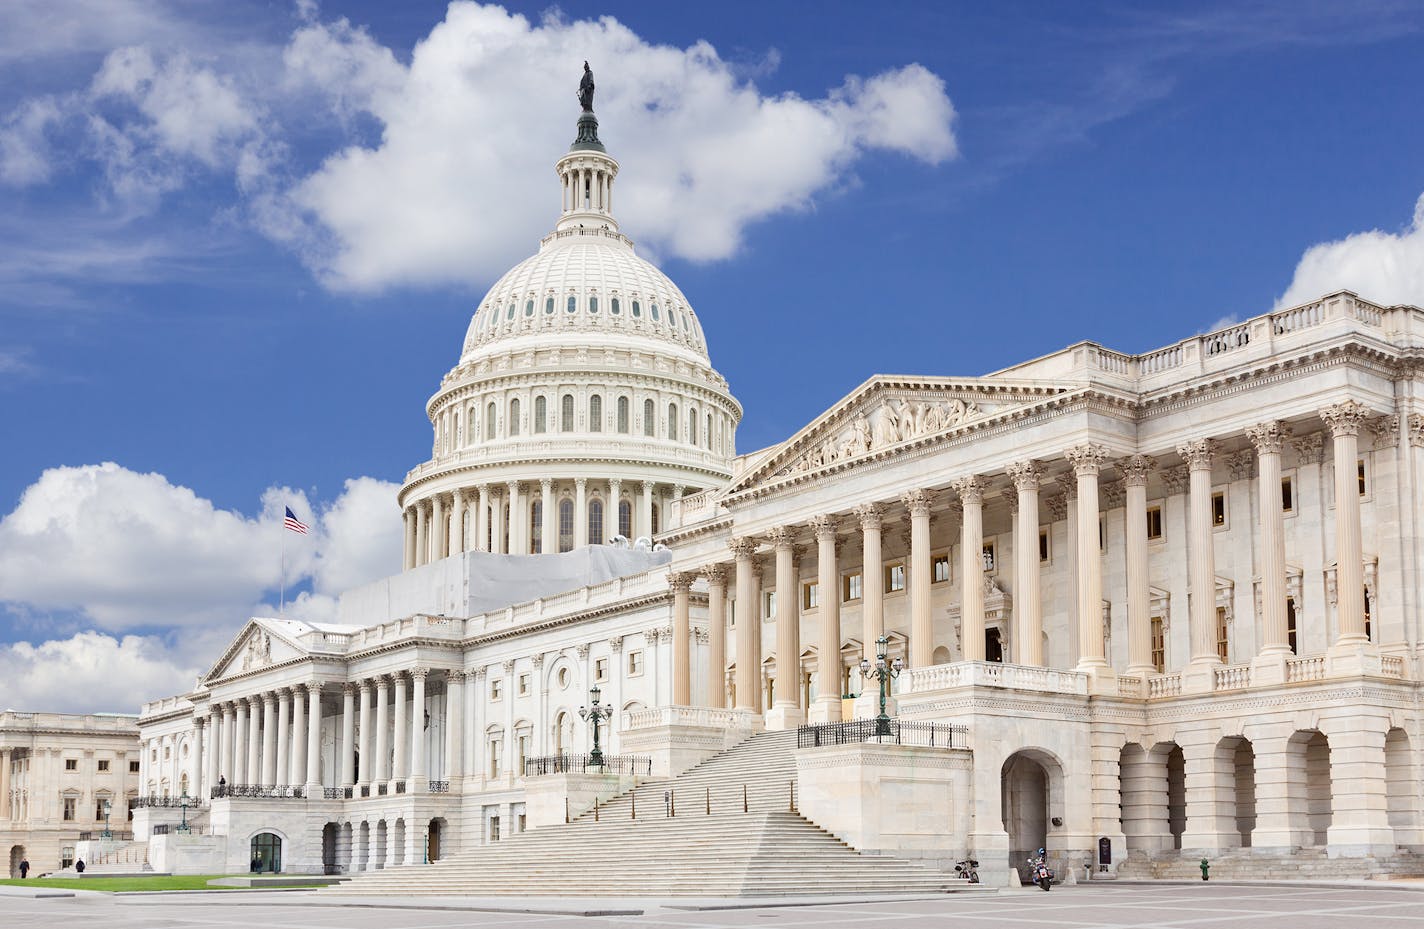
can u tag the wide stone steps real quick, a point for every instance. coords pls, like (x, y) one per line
(1242, 865)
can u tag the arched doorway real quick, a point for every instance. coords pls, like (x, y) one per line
(1400, 800)
(266, 853)
(329, 834)
(433, 839)
(1028, 783)
(17, 855)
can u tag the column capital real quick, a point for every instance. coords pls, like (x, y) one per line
(419, 673)
(479, 673)
(1175, 479)
(349, 687)
(1385, 429)
(1087, 459)
(1309, 448)
(680, 581)
(970, 489)
(918, 501)
(781, 537)
(1416, 430)
(1135, 470)
(312, 687)
(870, 515)
(615, 644)
(648, 486)
(269, 698)
(285, 692)
(1197, 453)
(199, 721)
(507, 666)
(537, 659)
(457, 675)
(546, 484)
(1026, 475)
(1344, 418)
(742, 547)
(823, 527)
(580, 482)
(716, 575)
(1268, 437)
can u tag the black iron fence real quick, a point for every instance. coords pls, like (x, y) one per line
(440, 787)
(585, 764)
(336, 793)
(888, 731)
(139, 803)
(258, 792)
(172, 829)
(114, 836)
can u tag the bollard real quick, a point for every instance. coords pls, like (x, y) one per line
(1205, 867)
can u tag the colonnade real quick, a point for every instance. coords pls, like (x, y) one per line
(1080, 482)
(500, 516)
(270, 740)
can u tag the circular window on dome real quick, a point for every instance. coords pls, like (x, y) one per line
(654, 310)
(510, 314)
(573, 304)
(564, 678)
(529, 308)
(637, 310)
(549, 307)
(593, 304)
(614, 308)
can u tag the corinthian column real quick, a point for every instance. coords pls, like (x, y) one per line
(971, 567)
(482, 521)
(681, 584)
(748, 627)
(872, 578)
(518, 520)
(439, 540)
(422, 534)
(366, 769)
(457, 522)
(348, 735)
(549, 543)
(1202, 557)
(381, 763)
(787, 713)
(827, 708)
(269, 739)
(408, 517)
(1087, 460)
(313, 752)
(921, 577)
(1275, 633)
(581, 512)
(716, 689)
(1344, 420)
(284, 736)
(416, 744)
(400, 738)
(1028, 604)
(1135, 470)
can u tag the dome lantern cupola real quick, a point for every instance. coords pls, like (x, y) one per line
(586, 173)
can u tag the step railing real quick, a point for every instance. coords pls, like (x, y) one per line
(634, 765)
(885, 732)
(739, 799)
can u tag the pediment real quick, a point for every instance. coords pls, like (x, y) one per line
(256, 647)
(886, 412)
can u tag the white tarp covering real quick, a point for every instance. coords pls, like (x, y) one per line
(478, 582)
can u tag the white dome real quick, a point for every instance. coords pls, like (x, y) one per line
(587, 283)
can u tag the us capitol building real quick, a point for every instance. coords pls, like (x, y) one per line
(1149, 608)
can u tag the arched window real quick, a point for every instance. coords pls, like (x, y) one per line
(650, 419)
(595, 413)
(489, 421)
(536, 527)
(673, 318)
(471, 432)
(637, 310)
(529, 308)
(614, 308)
(625, 519)
(549, 307)
(623, 415)
(573, 304)
(653, 309)
(566, 415)
(541, 414)
(707, 436)
(595, 522)
(510, 314)
(692, 426)
(514, 416)
(593, 304)
(672, 422)
(655, 519)
(566, 525)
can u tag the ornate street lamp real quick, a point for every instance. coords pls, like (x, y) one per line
(884, 673)
(183, 826)
(594, 713)
(107, 807)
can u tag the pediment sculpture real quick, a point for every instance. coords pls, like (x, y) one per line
(258, 653)
(893, 422)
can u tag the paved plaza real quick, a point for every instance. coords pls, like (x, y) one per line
(1115, 907)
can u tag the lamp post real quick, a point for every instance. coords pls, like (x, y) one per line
(883, 672)
(183, 826)
(108, 805)
(594, 713)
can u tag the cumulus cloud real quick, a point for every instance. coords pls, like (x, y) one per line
(470, 127)
(91, 672)
(127, 550)
(1384, 267)
(25, 156)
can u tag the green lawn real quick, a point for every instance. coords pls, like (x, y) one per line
(180, 882)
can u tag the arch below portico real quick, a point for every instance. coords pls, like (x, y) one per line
(1031, 796)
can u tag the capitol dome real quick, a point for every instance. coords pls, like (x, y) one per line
(584, 405)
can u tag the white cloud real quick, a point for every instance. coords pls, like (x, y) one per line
(25, 156)
(453, 190)
(127, 550)
(1383, 267)
(91, 672)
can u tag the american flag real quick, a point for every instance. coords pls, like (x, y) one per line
(294, 524)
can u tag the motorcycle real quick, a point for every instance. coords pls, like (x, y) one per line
(1040, 872)
(968, 870)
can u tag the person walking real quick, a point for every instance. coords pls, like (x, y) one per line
(79, 866)
(24, 868)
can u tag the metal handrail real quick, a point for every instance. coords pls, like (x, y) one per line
(893, 731)
(583, 764)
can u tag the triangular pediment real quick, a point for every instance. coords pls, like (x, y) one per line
(257, 646)
(887, 412)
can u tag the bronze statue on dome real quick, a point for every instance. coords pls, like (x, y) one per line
(585, 91)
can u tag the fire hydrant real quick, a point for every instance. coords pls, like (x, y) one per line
(1205, 868)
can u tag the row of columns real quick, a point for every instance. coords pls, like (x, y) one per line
(382, 763)
(427, 537)
(267, 740)
(1087, 461)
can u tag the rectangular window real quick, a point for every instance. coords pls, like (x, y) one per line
(988, 556)
(1218, 509)
(1360, 475)
(635, 663)
(850, 587)
(521, 752)
(1154, 523)
(66, 856)
(600, 670)
(1045, 552)
(134, 767)
(522, 820)
(496, 690)
(894, 577)
(768, 604)
(496, 756)
(1290, 626)
(1221, 639)
(939, 568)
(810, 595)
(524, 685)
(1159, 645)
(1102, 536)
(1367, 615)
(1287, 495)
(71, 764)
(103, 766)
(70, 809)
(494, 828)
(98, 811)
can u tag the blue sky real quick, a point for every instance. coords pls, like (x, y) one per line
(228, 265)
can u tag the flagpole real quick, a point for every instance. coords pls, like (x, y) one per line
(282, 582)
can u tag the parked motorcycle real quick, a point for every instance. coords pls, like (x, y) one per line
(1039, 870)
(968, 870)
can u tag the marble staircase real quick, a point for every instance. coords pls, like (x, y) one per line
(1303, 864)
